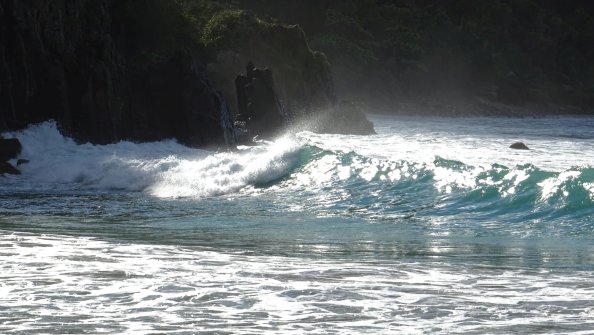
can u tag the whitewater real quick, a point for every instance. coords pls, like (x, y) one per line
(434, 225)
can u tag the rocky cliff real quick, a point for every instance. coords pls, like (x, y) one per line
(302, 77)
(61, 60)
(303, 80)
(109, 70)
(58, 61)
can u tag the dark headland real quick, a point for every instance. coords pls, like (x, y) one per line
(215, 73)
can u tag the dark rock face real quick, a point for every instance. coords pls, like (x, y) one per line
(6, 168)
(519, 146)
(261, 114)
(302, 77)
(257, 102)
(9, 148)
(80, 63)
(173, 99)
(59, 60)
(303, 84)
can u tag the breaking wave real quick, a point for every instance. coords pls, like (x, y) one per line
(168, 169)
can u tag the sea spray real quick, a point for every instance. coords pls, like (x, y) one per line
(163, 169)
(168, 169)
(228, 172)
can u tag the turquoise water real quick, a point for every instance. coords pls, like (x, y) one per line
(431, 226)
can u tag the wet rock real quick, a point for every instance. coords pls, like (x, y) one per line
(7, 168)
(9, 148)
(519, 146)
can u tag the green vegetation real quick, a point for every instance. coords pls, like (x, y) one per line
(152, 31)
(229, 28)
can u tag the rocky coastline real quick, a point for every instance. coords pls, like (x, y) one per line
(101, 76)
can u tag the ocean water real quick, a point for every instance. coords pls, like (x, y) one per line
(432, 226)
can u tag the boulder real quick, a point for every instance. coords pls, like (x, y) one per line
(9, 148)
(7, 168)
(519, 146)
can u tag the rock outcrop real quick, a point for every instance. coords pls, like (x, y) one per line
(303, 88)
(302, 77)
(61, 60)
(9, 148)
(110, 70)
(257, 103)
(58, 61)
(519, 146)
(173, 99)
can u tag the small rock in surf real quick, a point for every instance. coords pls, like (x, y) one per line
(519, 146)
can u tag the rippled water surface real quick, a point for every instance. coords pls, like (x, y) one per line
(431, 226)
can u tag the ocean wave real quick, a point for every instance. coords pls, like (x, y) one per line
(163, 169)
(335, 180)
(346, 182)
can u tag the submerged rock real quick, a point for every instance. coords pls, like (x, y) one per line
(519, 146)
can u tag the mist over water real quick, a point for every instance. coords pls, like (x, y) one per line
(433, 225)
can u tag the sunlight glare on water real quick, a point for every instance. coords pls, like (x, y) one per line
(137, 289)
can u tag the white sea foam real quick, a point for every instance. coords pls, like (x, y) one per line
(57, 284)
(164, 169)
(478, 142)
(403, 149)
(362, 238)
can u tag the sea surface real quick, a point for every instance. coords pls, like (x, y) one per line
(431, 226)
